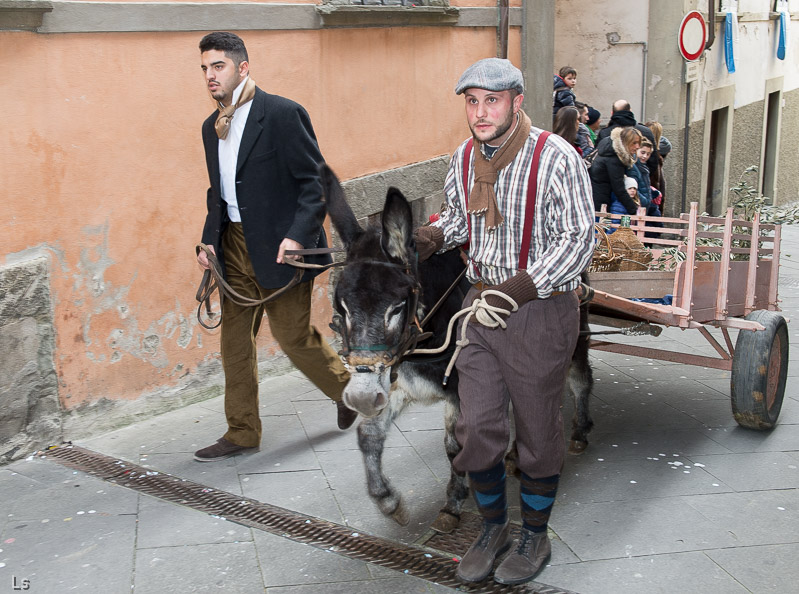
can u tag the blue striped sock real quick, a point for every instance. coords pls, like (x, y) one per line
(538, 496)
(488, 489)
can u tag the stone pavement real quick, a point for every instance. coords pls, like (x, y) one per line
(671, 495)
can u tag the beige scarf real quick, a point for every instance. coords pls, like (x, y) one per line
(483, 198)
(226, 113)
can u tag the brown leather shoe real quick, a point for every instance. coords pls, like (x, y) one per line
(476, 564)
(346, 416)
(532, 552)
(220, 450)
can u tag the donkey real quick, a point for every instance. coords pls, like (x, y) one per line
(380, 294)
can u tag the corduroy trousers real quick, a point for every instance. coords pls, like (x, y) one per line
(289, 319)
(525, 364)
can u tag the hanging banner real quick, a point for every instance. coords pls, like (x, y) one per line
(784, 26)
(730, 8)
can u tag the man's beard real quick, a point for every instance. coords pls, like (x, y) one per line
(501, 129)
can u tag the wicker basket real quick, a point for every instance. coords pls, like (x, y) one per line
(634, 256)
(605, 259)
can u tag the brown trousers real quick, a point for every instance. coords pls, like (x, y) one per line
(289, 320)
(527, 364)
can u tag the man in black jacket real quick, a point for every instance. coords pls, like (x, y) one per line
(621, 118)
(265, 198)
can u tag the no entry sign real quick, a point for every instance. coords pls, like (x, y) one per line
(693, 36)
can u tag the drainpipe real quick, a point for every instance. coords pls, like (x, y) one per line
(503, 24)
(711, 24)
(615, 39)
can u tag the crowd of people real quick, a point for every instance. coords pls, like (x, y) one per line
(624, 158)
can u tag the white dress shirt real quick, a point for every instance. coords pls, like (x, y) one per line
(229, 153)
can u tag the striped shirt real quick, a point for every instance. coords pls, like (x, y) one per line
(562, 241)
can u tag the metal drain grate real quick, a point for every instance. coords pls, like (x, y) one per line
(414, 561)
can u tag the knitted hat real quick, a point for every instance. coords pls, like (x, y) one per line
(593, 115)
(629, 182)
(491, 74)
(664, 146)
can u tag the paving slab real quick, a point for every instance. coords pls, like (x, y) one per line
(655, 574)
(165, 524)
(769, 568)
(630, 479)
(752, 518)
(765, 470)
(77, 553)
(289, 563)
(284, 448)
(637, 528)
(229, 567)
(307, 492)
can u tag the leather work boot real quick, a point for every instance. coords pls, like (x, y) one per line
(346, 416)
(530, 555)
(476, 564)
(220, 450)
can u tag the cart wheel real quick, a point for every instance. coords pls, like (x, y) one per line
(759, 369)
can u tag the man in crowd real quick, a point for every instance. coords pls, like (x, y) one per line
(621, 117)
(530, 238)
(265, 198)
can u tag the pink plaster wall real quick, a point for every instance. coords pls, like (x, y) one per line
(103, 169)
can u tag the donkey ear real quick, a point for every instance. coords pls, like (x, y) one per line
(340, 212)
(397, 222)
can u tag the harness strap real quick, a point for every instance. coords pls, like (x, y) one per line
(532, 192)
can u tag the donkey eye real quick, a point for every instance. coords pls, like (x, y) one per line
(397, 309)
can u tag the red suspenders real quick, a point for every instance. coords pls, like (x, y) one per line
(532, 192)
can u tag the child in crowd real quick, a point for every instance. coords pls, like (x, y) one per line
(616, 207)
(563, 93)
(640, 171)
(652, 196)
(593, 123)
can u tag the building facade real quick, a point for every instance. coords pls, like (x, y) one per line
(104, 185)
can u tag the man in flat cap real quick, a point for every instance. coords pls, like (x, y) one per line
(522, 198)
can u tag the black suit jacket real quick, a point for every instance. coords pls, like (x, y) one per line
(277, 187)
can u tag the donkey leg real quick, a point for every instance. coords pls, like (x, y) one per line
(371, 437)
(580, 383)
(449, 516)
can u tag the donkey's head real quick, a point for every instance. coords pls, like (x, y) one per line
(376, 295)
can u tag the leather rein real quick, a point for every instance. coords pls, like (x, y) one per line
(213, 280)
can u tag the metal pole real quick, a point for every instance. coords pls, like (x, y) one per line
(686, 136)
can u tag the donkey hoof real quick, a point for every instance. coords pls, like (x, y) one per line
(445, 523)
(577, 447)
(401, 515)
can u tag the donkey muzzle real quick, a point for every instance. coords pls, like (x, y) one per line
(368, 389)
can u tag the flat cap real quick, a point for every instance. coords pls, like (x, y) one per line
(491, 74)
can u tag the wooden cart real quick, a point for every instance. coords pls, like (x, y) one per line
(738, 290)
